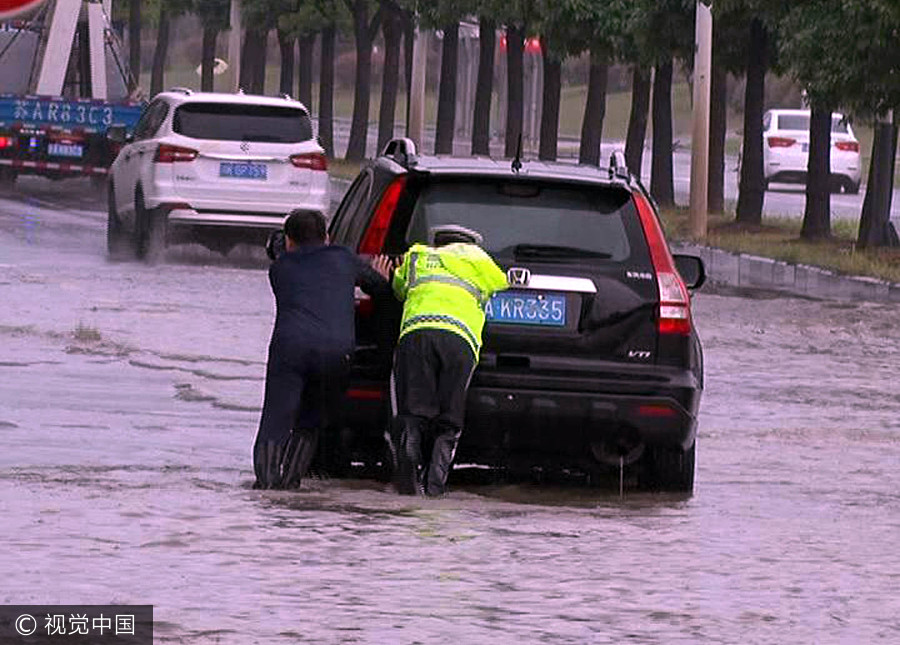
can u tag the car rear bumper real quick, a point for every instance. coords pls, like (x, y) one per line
(553, 418)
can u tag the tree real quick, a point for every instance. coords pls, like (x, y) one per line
(214, 15)
(168, 9)
(637, 120)
(365, 28)
(484, 86)
(392, 28)
(134, 43)
(663, 31)
(826, 60)
(752, 185)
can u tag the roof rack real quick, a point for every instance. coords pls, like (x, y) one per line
(286, 96)
(402, 150)
(617, 166)
(183, 90)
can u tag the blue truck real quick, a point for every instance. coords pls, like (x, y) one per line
(63, 83)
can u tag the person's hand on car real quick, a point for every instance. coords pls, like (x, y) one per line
(383, 265)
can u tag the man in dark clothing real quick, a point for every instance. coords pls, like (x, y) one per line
(311, 345)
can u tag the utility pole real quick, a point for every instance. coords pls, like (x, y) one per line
(234, 44)
(699, 209)
(415, 127)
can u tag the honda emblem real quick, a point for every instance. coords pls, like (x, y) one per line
(518, 277)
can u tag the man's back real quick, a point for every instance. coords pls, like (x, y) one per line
(314, 295)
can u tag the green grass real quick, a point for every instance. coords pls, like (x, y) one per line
(779, 238)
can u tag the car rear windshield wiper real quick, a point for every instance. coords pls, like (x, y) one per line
(550, 251)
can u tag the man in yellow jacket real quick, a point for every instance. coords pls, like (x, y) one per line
(444, 288)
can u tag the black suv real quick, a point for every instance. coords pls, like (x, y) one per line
(590, 359)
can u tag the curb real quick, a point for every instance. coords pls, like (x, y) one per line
(742, 270)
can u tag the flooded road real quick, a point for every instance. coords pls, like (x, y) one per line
(129, 400)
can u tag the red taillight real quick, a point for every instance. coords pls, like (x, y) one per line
(7, 142)
(847, 146)
(373, 241)
(310, 161)
(674, 301)
(166, 153)
(781, 142)
(365, 394)
(656, 410)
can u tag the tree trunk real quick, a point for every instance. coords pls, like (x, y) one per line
(393, 31)
(549, 143)
(208, 59)
(515, 45)
(752, 188)
(662, 183)
(246, 71)
(359, 126)
(159, 54)
(326, 91)
(307, 43)
(874, 222)
(286, 47)
(134, 43)
(594, 109)
(817, 216)
(484, 87)
(446, 116)
(718, 127)
(260, 51)
(637, 121)
(253, 61)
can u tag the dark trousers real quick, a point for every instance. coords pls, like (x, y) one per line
(304, 394)
(432, 370)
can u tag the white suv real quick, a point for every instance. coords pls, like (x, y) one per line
(786, 149)
(217, 169)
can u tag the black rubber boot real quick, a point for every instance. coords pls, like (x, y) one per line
(301, 449)
(407, 477)
(267, 458)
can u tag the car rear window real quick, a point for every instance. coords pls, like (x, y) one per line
(510, 216)
(801, 122)
(238, 122)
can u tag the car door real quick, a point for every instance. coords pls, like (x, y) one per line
(134, 156)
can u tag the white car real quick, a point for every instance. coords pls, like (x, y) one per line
(217, 169)
(786, 149)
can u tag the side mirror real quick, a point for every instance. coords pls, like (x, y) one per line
(691, 269)
(118, 134)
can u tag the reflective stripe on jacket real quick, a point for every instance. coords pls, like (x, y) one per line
(447, 288)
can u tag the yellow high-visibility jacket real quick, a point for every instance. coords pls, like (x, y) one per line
(447, 288)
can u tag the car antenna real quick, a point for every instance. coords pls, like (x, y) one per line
(517, 160)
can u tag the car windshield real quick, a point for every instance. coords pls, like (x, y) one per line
(239, 122)
(801, 122)
(531, 220)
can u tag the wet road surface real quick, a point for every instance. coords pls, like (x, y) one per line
(129, 402)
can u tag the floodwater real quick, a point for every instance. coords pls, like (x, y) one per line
(129, 398)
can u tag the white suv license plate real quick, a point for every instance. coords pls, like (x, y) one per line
(522, 308)
(243, 170)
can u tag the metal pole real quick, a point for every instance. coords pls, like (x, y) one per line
(415, 129)
(699, 209)
(234, 44)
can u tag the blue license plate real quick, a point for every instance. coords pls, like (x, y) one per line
(243, 170)
(524, 308)
(64, 150)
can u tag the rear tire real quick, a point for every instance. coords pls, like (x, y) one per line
(671, 469)
(150, 230)
(850, 188)
(116, 240)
